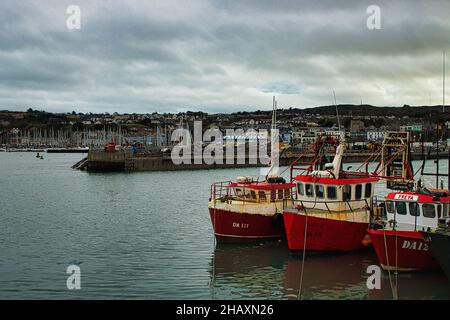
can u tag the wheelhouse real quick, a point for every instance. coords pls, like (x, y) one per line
(333, 190)
(415, 211)
(260, 191)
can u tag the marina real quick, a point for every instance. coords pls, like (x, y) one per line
(225, 158)
(102, 222)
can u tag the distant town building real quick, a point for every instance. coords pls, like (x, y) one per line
(375, 135)
(356, 125)
(412, 128)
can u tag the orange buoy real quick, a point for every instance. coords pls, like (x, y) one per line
(366, 241)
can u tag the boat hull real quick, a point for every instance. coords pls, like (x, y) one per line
(230, 226)
(440, 245)
(323, 234)
(402, 250)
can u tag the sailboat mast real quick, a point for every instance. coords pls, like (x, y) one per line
(273, 127)
(337, 113)
(443, 82)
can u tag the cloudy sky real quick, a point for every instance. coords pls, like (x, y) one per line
(219, 56)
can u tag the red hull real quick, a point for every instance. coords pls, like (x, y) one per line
(323, 234)
(232, 226)
(411, 252)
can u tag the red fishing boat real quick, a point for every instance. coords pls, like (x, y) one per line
(396, 234)
(245, 209)
(398, 243)
(331, 211)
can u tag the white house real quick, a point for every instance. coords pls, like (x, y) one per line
(375, 135)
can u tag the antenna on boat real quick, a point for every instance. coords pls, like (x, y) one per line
(443, 81)
(274, 113)
(273, 127)
(337, 113)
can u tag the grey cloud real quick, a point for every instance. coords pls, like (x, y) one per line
(218, 55)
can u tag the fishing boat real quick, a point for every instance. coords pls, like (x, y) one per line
(247, 209)
(408, 210)
(440, 244)
(331, 211)
(398, 243)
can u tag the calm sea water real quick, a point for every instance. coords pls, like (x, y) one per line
(148, 235)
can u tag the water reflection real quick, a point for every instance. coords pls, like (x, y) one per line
(270, 271)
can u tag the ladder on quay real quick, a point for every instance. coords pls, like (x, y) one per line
(129, 164)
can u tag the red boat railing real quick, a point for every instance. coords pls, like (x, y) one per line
(223, 191)
(220, 189)
(300, 205)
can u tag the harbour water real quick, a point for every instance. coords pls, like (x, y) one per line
(147, 235)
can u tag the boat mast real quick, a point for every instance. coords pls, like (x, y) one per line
(273, 127)
(337, 113)
(443, 81)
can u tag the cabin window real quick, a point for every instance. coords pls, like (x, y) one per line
(262, 196)
(280, 194)
(439, 210)
(347, 193)
(368, 191)
(390, 208)
(253, 194)
(287, 193)
(273, 195)
(446, 210)
(331, 193)
(300, 189)
(319, 191)
(309, 190)
(414, 209)
(400, 207)
(358, 191)
(428, 210)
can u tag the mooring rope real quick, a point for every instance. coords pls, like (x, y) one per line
(388, 266)
(396, 264)
(304, 256)
(212, 286)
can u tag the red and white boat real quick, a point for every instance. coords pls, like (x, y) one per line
(395, 235)
(246, 210)
(397, 242)
(331, 211)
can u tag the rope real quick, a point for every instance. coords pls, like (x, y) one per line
(387, 261)
(212, 286)
(396, 263)
(304, 246)
(303, 258)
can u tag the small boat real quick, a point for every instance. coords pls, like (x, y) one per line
(440, 245)
(406, 212)
(331, 211)
(247, 210)
(398, 241)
